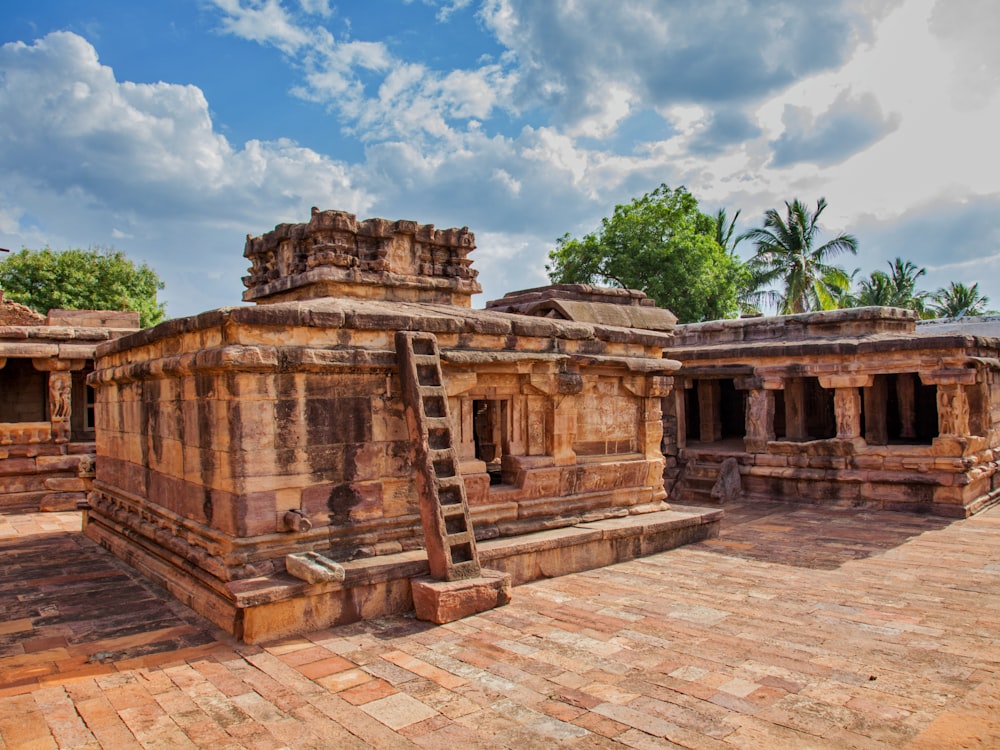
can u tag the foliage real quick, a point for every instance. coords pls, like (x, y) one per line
(82, 280)
(959, 301)
(725, 228)
(787, 256)
(663, 245)
(898, 288)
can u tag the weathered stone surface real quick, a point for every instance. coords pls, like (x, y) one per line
(727, 487)
(62, 501)
(446, 601)
(313, 567)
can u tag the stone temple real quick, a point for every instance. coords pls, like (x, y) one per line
(360, 441)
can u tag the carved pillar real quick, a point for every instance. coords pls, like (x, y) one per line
(560, 390)
(658, 387)
(876, 406)
(60, 404)
(759, 420)
(457, 386)
(952, 400)
(710, 418)
(906, 389)
(795, 409)
(847, 401)
(953, 410)
(847, 406)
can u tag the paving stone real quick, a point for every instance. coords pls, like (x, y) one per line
(897, 647)
(397, 711)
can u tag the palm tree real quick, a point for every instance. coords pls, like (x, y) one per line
(786, 256)
(724, 229)
(898, 288)
(876, 290)
(727, 239)
(958, 301)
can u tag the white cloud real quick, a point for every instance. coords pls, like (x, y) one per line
(448, 9)
(316, 7)
(89, 160)
(265, 21)
(408, 99)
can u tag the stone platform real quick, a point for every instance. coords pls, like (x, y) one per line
(265, 608)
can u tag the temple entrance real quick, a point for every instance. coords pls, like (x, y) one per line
(491, 434)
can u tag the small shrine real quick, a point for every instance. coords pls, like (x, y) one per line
(361, 442)
(47, 444)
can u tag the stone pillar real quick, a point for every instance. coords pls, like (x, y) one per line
(847, 406)
(795, 409)
(560, 390)
(953, 410)
(876, 406)
(650, 389)
(60, 392)
(759, 420)
(906, 389)
(952, 400)
(847, 401)
(710, 419)
(457, 386)
(680, 412)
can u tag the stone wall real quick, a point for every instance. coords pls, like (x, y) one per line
(221, 425)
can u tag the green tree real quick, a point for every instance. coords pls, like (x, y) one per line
(82, 280)
(959, 301)
(898, 288)
(663, 245)
(787, 256)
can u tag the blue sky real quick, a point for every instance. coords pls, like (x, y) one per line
(173, 128)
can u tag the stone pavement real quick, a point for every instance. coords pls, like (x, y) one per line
(797, 628)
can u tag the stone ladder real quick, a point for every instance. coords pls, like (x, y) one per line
(444, 508)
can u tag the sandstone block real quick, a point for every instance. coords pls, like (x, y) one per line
(313, 567)
(69, 484)
(447, 601)
(14, 466)
(62, 501)
(58, 463)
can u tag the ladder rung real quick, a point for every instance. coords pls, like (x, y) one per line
(466, 569)
(425, 360)
(462, 537)
(451, 511)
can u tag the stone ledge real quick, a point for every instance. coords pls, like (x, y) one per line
(270, 607)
